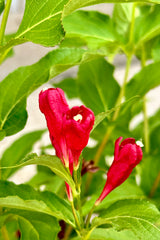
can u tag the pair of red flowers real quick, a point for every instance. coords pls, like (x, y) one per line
(69, 133)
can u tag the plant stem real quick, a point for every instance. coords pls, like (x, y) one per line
(4, 233)
(3, 56)
(4, 20)
(146, 125)
(89, 215)
(78, 187)
(80, 210)
(88, 234)
(122, 91)
(103, 143)
(68, 232)
(75, 177)
(155, 186)
(131, 33)
(75, 215)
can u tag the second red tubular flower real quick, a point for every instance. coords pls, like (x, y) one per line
(127, 155)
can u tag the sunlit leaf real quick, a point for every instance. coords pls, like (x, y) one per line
(52, 162)
(92, 27)
(135, 215)
(147, 26)
(24, 197)
(72, 5)
(122, 16)
(110, 234)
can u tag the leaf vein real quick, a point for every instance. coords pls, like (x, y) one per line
(38, 23)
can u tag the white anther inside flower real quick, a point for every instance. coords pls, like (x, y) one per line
(139, 143)
(44, 89)
(78, 117)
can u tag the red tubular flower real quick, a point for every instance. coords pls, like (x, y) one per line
(69, 128)
(126, 156)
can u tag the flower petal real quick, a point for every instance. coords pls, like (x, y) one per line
(116, 148)
(77, 132)
(53, 104)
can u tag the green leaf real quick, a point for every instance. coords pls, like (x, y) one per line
(144, 9)
(149, 177)
(72, 5)
(48, 180)
(10, 224)
(70, 41)
(124, 115)
(147, 79)
(16, 119)
(96, 84)
(27, 230)
(16, 152)
(128, 110)
(111, 234)
(154, 123)
(13, 92)
(65, 84)
(147, 26)
(122, 16)
(40, 224)
(29, 223)
(2, 134)
(19, 84)
(154, 129)
(90, 26)
(2, 4)
(3, 218)
(63, 59)
(6, 49)
(41, 22)
(128, 190)
(135, 215)
(52, 162)
(100, 117)
(156, 51)
(155, 138)
(24, 197)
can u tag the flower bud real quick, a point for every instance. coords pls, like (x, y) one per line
(126, 156)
